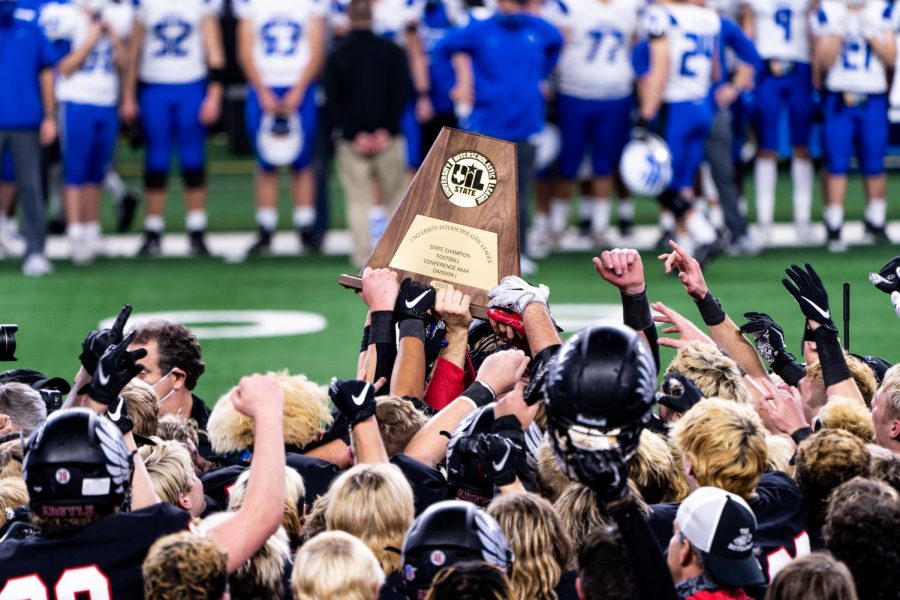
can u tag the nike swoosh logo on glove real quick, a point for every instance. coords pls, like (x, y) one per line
(825, 314)
(359, 399)
(499, 465)
(417, 299)
(101, 376)
(118, 412)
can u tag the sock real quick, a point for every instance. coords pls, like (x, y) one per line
(600, 215)
(195, 220)
(699, 228)
(559, 215)
(154, 223)
(707, 184)
(876, 212)
(304, 216)
(802, 178)
(75, 232)
(666, 221)
(115, 185)
(766, 173)
(716, 215)
(92, 230)
(585, 209)
(541, 221)
(267, 218)
(626, 210)
(834, 216)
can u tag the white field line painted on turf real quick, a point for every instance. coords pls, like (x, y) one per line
(235, 324)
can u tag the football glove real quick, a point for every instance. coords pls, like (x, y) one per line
(515, 294)
(678, 392)
(414, 300)
(354, 398)
(117, 412)
(97, 342)
(501, 456)
(767, 335)
(895, 300)
(888, 278)
(808, 290)
(115, 369)
(604, 471)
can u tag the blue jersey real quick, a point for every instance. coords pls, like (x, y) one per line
(24, 52)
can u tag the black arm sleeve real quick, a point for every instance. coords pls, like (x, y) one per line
(382, 335)
(637, 315)
(651, 573)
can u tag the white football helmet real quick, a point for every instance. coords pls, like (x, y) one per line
(646, 165)
(280, 139)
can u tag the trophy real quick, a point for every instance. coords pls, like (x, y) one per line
(458, 223)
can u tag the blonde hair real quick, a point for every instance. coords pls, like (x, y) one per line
(848, 414)
(336, 565)
(186, 566)
(779, 453)
(143, 406)
(550, 478)
(13, 494)
(537, 539)
(862, 374)
(315, 520)
(725, 443)
(11, 457)
(890, 387)
(716, 375)
(306, 415)
(262, 576)
(885, 465)
(579, 511)
(170, 468)
(655, 472)
(176, 427)
(398, 421)
(374, 503)
(294, 497)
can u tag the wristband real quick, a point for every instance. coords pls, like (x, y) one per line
(539, 367)
(831, 357)
(217, 75)
(412, 328)
(364, 344)
(381, 329)
(801, 434)
(479, 393)
(786, 368)
(506, 423)
(636, 311)
(710, 310)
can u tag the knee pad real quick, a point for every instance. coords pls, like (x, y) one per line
(194, 178)
(155, 180)
(675, 202)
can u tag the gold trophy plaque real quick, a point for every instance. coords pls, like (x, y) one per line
(458, 223)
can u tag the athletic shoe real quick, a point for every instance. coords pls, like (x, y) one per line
(835, 243)
(527, 266)
(36, 265)
(263, 244)
(152, 245)
(744, 246)
(707, 252)
(309, 239)
(662, 243)
(626, 228)
(125, 211)
(198, 243)
(875, 234)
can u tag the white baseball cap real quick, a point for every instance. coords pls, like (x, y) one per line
(723, 527)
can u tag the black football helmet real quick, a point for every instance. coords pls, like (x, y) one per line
(599, 395)
(449, 532)
(77, 464)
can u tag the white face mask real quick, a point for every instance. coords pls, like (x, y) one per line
(167, 396)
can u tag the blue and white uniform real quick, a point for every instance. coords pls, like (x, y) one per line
(693, 35)
(595, 82)
(855, 104)
(172, 82)
(281, 52)
(785, 83)
(87, 98)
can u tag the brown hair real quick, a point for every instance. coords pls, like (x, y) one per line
(398, 421)
(176, 347)
(469, 581)
(11, 457)
(816, 575)
(186, 566)
(716, 375)
(825, 460)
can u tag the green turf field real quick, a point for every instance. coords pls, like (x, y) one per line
(54, 313)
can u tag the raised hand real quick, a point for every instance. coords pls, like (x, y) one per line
(116, 368)
(452, 307)
(515, 294)
(501, 455)
(623, 268)
(98, 341)
(808, 290)
(502, 370)
(380, 289)
(678, 324)
(256, 395)
(888, 278)
(354, 398)
(414, 300)
(689, 271)
(678, 392)
(768, 336)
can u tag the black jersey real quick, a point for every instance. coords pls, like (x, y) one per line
(98, 562)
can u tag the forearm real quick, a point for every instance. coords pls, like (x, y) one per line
(313, 68)
(429, 446)
(539, 328)
(418, 62)
(835, 372)
(48, 99)
(367, 442)
(827, 49)
(408, 378)
(133, 58)
(885, 48)
(515, 487)
(382, 346)
(336, 452)
(212, 43)
(730, 340)
(74, 399)
(245, 41)
(455, 350)
(75, 59)
(655, 82)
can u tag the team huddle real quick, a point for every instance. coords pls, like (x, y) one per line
(570, 81)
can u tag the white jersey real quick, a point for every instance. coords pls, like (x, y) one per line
(693, 35)
(281, 47)
(595, 62)
(894, 113)
(96, 82)
(857, 69)
(173, 49)
(781, 30)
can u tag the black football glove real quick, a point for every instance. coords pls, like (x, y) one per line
(604, 471)
(354, 398)
(888, 278)
(117, 412)
(641, 129)
(678, 392)
(96, 342)
(414, 300)
(767, 335)
(116, 368)
(810, 294)
(501, 455)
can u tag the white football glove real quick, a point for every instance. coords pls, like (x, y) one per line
(515, 294)
(895, 300)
